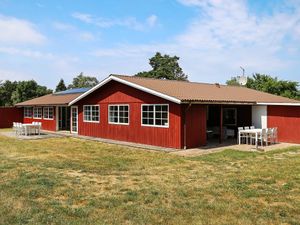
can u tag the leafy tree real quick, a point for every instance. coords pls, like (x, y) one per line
(6, 89)
(272, 85)
(164, 67)
(26, 90)
(61, 86)
(82, 81)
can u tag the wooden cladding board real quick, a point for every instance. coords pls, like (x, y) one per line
(8, 115)
(287, 120)
(117, 93)
(47, 124)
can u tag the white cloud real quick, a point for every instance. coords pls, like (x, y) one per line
(15, 30)
(25, 52)
(63, 26)
(129, 22)
(152, 20)
(224, 36)
(86, 36)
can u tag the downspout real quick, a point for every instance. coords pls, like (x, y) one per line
(184, 126)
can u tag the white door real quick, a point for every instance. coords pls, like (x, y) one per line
(74, 119)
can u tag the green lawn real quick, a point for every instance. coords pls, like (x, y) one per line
(72, 181)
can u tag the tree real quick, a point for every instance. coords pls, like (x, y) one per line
(82, 81)
(61, 86)
(164, 67)
(6, 89)
(26, 90)
(272, 85)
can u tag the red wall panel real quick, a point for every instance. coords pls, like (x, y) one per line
(47, 124)
(117, 93)
(195, 125)
(287, 120)
(8, 115)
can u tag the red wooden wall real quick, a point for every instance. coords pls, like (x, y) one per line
(47, 124)
(287, 120)
(8, 115)
(117, 93)
(195, 125)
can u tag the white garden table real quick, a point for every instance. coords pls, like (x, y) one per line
(29, 126)
(250, 131)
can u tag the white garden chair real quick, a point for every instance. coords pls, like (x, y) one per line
(242, 135)
(262, 137)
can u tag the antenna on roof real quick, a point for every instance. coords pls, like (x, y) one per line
(242, 79)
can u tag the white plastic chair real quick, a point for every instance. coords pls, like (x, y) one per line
(274, 135)
(242, 135)
(15, 127)
(252, 127)
(20, 129)
(261, 137)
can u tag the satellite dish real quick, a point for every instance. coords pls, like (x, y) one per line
(242, 80)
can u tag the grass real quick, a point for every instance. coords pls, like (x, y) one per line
(72, 181)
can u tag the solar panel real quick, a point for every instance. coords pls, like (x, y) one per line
(72, 91)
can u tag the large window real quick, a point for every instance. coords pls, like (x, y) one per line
(37, 112)
(155, 115)
(48, 113)
(28, 112)
(229, 116)
(91, 113)
(118, 114)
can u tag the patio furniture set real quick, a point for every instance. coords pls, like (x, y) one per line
(26, 129)
(252, 135)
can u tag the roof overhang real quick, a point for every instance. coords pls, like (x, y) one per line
(218, 103)
(278, 104)
(139, 87)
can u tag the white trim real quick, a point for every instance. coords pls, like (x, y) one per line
(118, 114)
(91, 121)
(39, 118)
(159, 126)
(71, 120)
(282, 104)
(48, 113)
(57, 118)
(139, 87)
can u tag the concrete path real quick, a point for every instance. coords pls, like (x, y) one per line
(244, 147)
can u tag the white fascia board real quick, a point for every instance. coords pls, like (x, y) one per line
(279, 104)
(139, 87)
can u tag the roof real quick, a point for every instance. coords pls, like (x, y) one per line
(184, 91)
(72, 91)
(58, 98)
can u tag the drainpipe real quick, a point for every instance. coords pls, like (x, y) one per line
(184, 126)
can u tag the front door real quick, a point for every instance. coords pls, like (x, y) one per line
(74, 119)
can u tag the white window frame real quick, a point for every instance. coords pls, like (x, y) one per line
(25, 115)
(48, 118)
(118, 123)
(91, 121)
(149, 125)
(36, 108)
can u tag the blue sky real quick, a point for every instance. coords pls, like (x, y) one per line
(49, 40)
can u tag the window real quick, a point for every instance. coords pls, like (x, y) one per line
(118, 114)
(155, 115)
(48, 113)
(229, 116)
(91, 113)
(28, 112)
(37, 112)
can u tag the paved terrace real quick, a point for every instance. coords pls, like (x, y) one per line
(211, 148)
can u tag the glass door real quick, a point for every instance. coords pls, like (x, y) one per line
(74, 119)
